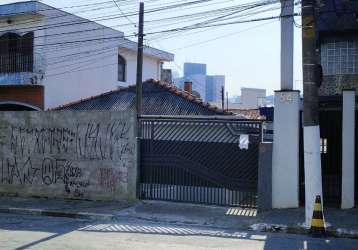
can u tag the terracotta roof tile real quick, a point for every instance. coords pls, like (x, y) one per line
(169, 87)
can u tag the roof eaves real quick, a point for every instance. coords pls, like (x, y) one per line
(149, 51)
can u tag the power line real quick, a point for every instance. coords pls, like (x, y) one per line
(129, 20)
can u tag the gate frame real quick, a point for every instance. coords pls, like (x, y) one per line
(198, 119)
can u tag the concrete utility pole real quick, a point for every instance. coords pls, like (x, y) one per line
(139, 89)
(287, 9)
(285, 157)
(312, 157)
(222, 97)
(140, 60)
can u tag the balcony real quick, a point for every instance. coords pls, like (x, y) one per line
(19, 69)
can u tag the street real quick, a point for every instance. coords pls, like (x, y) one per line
(33, 232)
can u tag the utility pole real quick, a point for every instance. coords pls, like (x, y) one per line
(311, 79)
(287, 9)
(139, 91)
(222, 97)
(140, 61)
(227, 101)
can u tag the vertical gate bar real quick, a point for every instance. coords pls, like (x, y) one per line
(232, 196)
(177, 183)
(183, 191)
(188, 186)
(150, 153)
(181, 187)
(171, 178)
(156, 182)
(195, 189)
(160, 177)
(167, 181)
(174, 183)
(207, 188)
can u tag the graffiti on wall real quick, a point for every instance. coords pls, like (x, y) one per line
(69, 158)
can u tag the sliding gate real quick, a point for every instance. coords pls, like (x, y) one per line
(200, 160)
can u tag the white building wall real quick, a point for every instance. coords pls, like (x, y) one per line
(250, 97)
(72, 69)
(151, 67)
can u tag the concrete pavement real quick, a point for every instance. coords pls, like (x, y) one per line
(343, 223)
(41, 232)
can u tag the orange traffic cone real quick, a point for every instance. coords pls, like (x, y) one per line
(317, 223)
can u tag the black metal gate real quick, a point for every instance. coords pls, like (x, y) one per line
(199, 160)
(356, 160)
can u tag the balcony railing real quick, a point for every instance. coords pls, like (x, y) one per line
(14, 63)
(21, 69)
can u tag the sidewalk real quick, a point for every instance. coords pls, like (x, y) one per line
(344, 223)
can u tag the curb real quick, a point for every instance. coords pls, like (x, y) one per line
(56, 213)
(276, 228)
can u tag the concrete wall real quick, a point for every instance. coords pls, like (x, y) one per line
(76, 155)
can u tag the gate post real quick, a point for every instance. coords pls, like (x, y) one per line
(348, 150)
(285, 159)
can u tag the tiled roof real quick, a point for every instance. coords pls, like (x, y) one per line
(253, 114)
(159, 98)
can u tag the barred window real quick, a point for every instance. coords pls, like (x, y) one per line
(339, 57)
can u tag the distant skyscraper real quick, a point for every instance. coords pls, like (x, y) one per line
(196, 73)
(194, 69)
(213, 88)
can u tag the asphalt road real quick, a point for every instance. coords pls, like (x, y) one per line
(31, 232)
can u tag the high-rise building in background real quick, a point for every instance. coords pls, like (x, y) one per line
(196, 73)
(208, 87)
(214, 86)
(194, 69)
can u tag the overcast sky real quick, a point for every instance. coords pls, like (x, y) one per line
(247, 54)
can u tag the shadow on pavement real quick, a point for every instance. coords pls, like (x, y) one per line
(64, 226)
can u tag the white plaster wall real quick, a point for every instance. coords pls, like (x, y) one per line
(151, 67)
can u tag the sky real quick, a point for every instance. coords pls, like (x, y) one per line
(248, 54)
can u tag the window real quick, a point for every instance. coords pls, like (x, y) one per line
(121, 69)
(16, 52)
(339, 57)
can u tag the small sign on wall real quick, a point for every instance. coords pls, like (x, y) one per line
(244, 142)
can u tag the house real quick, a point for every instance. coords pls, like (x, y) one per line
(68, 56)
(159, 98)
(338, 46)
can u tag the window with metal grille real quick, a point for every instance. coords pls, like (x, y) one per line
(339, 57)
(16, 52)
(121, 69)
